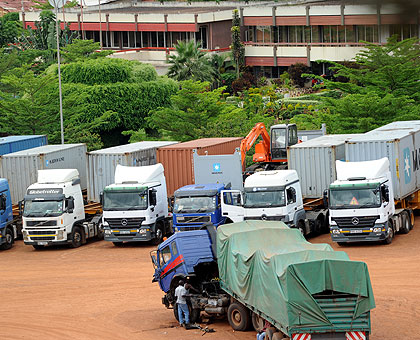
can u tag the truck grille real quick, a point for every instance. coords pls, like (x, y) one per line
(193, 219)
(47, 223)
(43, 238)
(125, 223)
(41, 232)
(265, 218)
(355, 222)
(339, 309)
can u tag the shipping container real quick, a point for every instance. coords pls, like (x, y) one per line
(314, 162)
(21, 168)
(102, 163)
(17, 143)
(400, 145)
(178, 159)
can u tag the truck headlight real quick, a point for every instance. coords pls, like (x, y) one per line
(25, 235)
(60, 235)
(377, 230)
(108, 232)
(336, 231)
(143, 231)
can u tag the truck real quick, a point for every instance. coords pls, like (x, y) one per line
(8, 232)
(253, 271)
(381, 176)
(274, 195)
(135, 207)
(53, 211)
(197, 204)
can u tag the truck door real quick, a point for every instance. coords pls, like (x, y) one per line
(232, 205)
(170, 263)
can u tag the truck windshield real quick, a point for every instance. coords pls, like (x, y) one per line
(43, 208)
(264, 199)
(194, 204)
(125, 200)
(355, 198)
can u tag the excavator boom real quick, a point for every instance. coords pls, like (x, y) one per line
(247, 143)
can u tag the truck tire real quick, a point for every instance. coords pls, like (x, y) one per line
(301, 226)
(257, 322)
(159, 234)
(319, 224)
(405, 219)
(8, 235)
(238, 317)
(76, 237)
(390, 236)
(101, 233)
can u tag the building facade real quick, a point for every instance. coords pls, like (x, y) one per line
(275, 35)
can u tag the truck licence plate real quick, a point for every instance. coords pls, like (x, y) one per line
(356, 231)
(42, 243)
(124, 231)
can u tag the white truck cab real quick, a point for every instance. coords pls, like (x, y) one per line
(361, 202)
(268, 195)
(135, 207)
(54, 211)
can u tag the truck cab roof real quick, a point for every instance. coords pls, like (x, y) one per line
(210, 189)
(274, 178)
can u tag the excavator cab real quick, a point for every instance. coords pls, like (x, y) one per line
(282, 136)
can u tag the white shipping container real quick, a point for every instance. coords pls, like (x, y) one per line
(102, 163)
(314, 162)
(21, 168)
(400, 143)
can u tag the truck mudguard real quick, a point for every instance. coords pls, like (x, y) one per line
(290, 282)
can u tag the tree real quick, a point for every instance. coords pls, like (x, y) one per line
(82, 50)
(193, 106)
(10, 28)
(296, 71)
(221, 65)
(189, 63)
(238, 49)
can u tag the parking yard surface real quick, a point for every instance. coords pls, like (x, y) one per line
(99, 291)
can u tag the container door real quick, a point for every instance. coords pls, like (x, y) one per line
(232, 205)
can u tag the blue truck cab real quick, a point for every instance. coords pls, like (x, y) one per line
(7, 229)
(197, 204)
(184, 255)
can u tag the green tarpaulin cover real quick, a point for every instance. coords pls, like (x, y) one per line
(275, 271)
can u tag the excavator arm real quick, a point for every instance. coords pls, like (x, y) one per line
(262, 153)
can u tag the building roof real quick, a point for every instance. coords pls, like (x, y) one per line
(16, 5)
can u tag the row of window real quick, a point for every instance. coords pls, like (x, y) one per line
(123, 39)
(325, 34)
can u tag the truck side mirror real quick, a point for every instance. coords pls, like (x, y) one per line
(3, 202)
(153, 197)
(101, 198)
(70, 204)
(325, 198)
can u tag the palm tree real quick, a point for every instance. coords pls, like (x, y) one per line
(189, 63)
(220, 63)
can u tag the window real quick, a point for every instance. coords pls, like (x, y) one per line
(350, 34)
(174, 249)
(291, 195)
(316, 34)
(165, 255)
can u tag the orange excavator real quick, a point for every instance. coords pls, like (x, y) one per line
(271, 151)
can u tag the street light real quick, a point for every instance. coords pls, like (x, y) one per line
(57, 4)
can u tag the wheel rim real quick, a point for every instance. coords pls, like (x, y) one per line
(77, 237)
(236, 317)
(9, 238)
(159, 234)
(390, 232)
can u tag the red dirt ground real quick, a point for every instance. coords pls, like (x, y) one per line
(99, 291)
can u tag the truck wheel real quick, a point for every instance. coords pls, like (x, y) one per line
(319, 223)
(238, 317)
(390, 236)
(257, 322)
(76, 238)
(101, 233)
(159, 235)
(405, 229)
(301, 226)
(9, 239)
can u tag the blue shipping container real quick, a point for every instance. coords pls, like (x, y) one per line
(12, 144)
